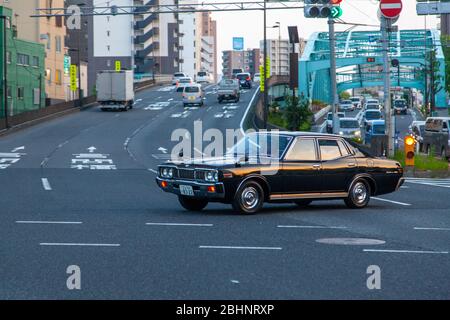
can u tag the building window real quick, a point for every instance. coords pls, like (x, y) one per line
(9, 92)
(58, 76)
(58, 21)
(35, 61)
(8, 57)
(58, 44)
(23, 59)
(20, 93)
(49, 41)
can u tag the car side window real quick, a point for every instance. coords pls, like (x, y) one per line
(329, 150)
(343, 148)
(302, 150)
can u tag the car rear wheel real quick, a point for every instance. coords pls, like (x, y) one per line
(249, 198)
(303, 203)
(192, 204)
(359, 195)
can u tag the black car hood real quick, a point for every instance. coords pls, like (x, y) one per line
(221, 162)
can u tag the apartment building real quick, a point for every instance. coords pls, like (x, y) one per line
(248, 60)
(278, 53)
(48, 31)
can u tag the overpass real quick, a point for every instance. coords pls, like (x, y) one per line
(359, 62)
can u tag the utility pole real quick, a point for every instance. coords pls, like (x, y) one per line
(334, 96)
(387, 87)
(266, 95)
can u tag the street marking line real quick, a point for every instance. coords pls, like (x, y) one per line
(391, 201)
(49, 222)
(80, 244)
(153, 170)
(437, 229)
(310, 227)
(46, 184)
(405, 251)
(240, 248)
(178, 224)
(241, 125)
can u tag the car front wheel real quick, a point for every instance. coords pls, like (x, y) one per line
(192, 204)
(359, 195)
(249, 198)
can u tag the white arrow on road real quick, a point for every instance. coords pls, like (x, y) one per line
(163, 150)
(19, 148)
(91, 149)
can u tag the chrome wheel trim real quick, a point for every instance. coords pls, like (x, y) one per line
(250, 198)
(359, 193)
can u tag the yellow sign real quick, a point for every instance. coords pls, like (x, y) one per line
(268, 67)
(73, 77)
(118, 66)
(262, 80)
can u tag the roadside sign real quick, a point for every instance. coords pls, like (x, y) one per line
(391, 8)
(238, 43)
(268, 67)
(262, 81)
(66, 65)
(432, 8)
(118, 66)
(73, 77)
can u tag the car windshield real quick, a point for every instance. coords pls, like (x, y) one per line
(347, 124)
(399, 103)
(378, 129)
(373, 115)
(227, 83)
(201, 74)
(372, 106)
(192, 89)
(261, 145)
(242, 76)
(346, 102)
(354, 99)
(178, 75)
(185, 80)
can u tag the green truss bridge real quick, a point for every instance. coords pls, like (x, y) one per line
(359, 62)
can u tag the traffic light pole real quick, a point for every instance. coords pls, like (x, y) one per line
(265, 93)
(334, 96)
(387, 86)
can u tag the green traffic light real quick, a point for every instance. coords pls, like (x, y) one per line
(336, 12)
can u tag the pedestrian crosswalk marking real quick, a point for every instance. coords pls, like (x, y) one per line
(443, 183)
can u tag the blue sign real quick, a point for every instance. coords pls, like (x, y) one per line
(238, 43)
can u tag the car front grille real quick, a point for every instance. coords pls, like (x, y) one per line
(186, 174)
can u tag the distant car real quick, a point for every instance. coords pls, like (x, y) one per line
(177, 76)
(245, 80)
(257, 77)
(203, 77)
(374, 128)
(193, 94)
(373, 106)
(356, 102)
(330, 120)
(350, 128)
(305, 167)
(370, 115)
(372, 101)
(436, 139)
(183, 82)
(400, 106)
(235, 72)
(229, 89)
(346, 105)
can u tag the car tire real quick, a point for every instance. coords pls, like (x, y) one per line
(303, 203)
(192, 204)
(359, 195)
(249, 199)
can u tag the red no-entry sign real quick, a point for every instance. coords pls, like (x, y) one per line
(391, 8)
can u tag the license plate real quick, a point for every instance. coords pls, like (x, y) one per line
(191, 98)
(186, 190)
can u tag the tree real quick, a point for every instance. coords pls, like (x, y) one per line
(344, 95)
(298, 115)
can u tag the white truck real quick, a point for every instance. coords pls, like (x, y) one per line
(115, 90)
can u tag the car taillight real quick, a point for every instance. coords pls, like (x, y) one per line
(248, 79)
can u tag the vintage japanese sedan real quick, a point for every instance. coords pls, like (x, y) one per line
(303, 167)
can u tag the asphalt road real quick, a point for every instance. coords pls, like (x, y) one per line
(64, 203)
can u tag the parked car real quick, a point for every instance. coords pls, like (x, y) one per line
(305, 167)
(245, 80)
(257, 77)
(203, 77)
(177, 76)
(346, 105)
(350, 128)
(356, 102)
(436, 139)
(229, 89)
(400, 106)
(193, 94)
(417, 130)
(374, 128)
(183, 82)
(330, 120)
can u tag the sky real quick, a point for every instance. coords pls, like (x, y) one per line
(249, 24)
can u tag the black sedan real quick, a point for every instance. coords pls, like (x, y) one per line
(293, 167)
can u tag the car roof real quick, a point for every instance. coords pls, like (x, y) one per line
(348, 119)
(379, 121)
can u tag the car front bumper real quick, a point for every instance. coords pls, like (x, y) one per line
(192, 101)
(200, 188)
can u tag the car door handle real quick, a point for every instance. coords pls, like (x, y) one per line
(316, 166)
(352, 164)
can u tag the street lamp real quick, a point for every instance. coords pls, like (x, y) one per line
(5, 72)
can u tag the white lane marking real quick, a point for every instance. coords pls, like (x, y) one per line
(240, 248)
(436, 229)
(404, 251)
(391, 201)
(311, 227)
(18, 148)
(138, 100)
(247, 111)
(127, 142)
(46, 184)
(178, 224)
(80, 244)
(153, 170)
(235, 281)
(8, 159)
(163, 150)
(404, 187)
(209, 108)
(49, 222)
(171, 99)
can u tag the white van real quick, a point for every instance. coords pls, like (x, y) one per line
(203, 77)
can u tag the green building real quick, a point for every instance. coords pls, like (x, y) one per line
(25, 76)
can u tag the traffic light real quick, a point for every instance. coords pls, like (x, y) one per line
(410, 147)
(395, 63)
(322, 9)
(370, 59)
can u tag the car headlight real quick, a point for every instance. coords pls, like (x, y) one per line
(358, 133)
(341, 133)
(212, 176)
(167, 173)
